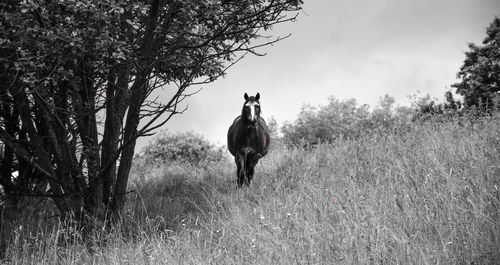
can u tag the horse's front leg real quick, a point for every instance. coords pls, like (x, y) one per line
(240, 170)
(249, 173)
(250, 167)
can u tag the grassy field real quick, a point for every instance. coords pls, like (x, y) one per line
(429, 197)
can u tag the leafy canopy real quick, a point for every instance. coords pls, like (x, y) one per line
(480, 74)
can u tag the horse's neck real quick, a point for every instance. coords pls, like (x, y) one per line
(251, 126)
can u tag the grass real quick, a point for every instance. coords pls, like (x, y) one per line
(428, 197)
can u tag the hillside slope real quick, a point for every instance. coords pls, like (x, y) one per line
(430, 196)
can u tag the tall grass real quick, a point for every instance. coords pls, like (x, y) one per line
(428, 197)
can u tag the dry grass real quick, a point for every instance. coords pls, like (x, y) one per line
(430, 197)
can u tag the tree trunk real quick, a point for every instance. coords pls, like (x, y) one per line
(64, 201)
(139, 89)
(118, 97)
(85, 101)
(147, 52)
(7, 157)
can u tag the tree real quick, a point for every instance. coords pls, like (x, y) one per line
(480, 73)
(78, 79)
(382, 117)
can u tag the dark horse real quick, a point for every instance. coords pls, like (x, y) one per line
(248, 139)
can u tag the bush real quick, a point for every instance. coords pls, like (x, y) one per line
(345, 120)
(186, 147)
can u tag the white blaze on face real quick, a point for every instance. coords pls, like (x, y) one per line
(252, 105)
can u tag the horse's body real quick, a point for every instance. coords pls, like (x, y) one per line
(248, 139)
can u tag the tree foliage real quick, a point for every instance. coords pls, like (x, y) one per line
(77, 82)
(480, 74)
(426, 106)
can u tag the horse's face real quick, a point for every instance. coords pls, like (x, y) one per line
(251, 108)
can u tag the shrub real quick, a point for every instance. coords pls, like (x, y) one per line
(186, 147)
(345, 120)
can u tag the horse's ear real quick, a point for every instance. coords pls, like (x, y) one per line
(246, 96)
(257, 96)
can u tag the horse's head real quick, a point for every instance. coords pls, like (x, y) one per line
(251, 108)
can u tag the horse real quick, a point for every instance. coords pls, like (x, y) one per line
(248, 139)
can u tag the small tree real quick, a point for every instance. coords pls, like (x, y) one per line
(480, 73)
(78, 78)
(382, 116)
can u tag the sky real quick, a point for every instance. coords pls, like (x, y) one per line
(361, 49)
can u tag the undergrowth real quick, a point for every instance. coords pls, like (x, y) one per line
(430, 196)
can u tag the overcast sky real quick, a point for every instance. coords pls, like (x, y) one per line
(358, 49)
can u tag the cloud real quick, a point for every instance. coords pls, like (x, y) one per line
(349, 49)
